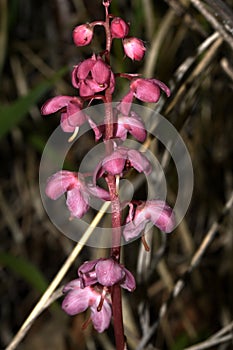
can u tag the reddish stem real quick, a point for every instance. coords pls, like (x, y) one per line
(115, 201)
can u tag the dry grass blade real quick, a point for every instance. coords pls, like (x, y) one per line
(210, 343)
(213, 21)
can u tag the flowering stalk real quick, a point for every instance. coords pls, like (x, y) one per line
(99, 282)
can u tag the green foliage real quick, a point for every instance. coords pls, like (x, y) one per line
(24, 269)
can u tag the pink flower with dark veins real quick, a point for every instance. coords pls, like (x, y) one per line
(155, 211)
(78, 192)
(122, 158)
(78, 299)
(106, 272)
(91, 76)
(134, 48)
(72, 115)
(119, 28)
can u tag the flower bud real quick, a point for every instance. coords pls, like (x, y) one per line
(134, 48)
(83, 34)
(119, 28)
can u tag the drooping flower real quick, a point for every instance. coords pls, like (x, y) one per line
(83, 34)
(78, 299)
(91, 76)
(132, 124)
(134, 48)
(119, 28)
(122, 158)
(124, 124)
(72, 115)
(148, 90)
(155, 211)
(106, 272)
(78, 192)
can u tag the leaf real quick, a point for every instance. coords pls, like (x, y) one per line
(13, 114)
(25, 270)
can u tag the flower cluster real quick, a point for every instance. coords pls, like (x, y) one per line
(94, 79)
(92, 289)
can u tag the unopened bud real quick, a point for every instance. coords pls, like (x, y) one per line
(119, 28)
(134, 48)
(83, 34)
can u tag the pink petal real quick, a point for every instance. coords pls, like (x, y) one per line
(85, 90)
(72, 285)
(129, 281)
(115, 163)
(87, 273)
(59, 183)
(74, 78)
(101, 319)
(100, 72)
(87, 266)
(161, 215)
(134, 125)
(77, 202)
(108, 272)
(55, 104)
(125, 103)
(65, 125)
(98, 130)
(77, 300)
(99, 171)
(75, 115)
(84, 68)
(95, 86)
(162, 86)
(131, 230)
(145, 90)
(112, 83)
(98, 192)
(139, 161)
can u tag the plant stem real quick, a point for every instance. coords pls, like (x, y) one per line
(115, 201)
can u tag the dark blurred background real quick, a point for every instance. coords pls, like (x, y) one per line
(36, 58)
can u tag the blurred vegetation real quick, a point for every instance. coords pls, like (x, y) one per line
(36, 58)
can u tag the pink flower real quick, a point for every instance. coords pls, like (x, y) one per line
(91, 76)
(83, 34)
(148, 90)
(119, 28)
(156, 211)
(132, 124)
(134, 48)
(106, 272)
(71, 111)
(78, 193)
(120, 159)
(78, 299)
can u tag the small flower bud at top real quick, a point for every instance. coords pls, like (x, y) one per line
(119, 28)
(83, 34)
(134, 48)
